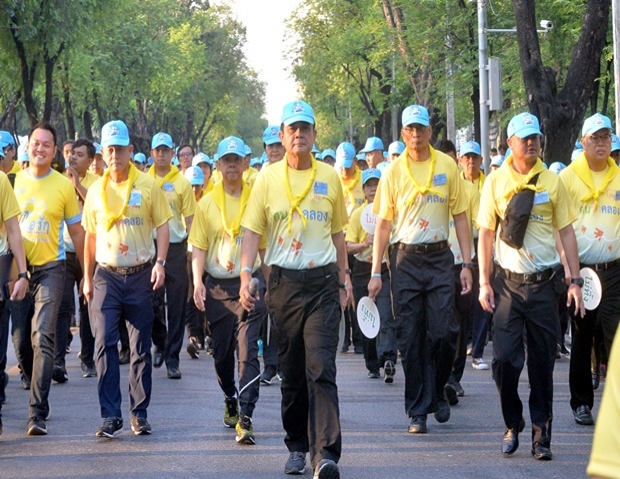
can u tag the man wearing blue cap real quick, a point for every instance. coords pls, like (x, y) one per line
(249, 174)
(8, 164)
(48, 204)
(308, 285)
(417, 193)
(97, 167)
(205, 163)
(374, 151)
(120, 213)
(216, 240)
(528, 279)
(139, 161)
(273, 144)
(168, 341)
(395, 149)
(593, 183)
(615, 148)
(329, 156)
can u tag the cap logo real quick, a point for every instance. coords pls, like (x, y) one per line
(528, 120)
(415, 111)
(161, 137)
(113, 130)
(298, 108)
(598, 120)
(274, 131)
(232, 145)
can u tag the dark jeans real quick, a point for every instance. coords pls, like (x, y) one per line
(5, 316)
(352, 332)
(462, 308)
(308, 314)
(269, 335)
(606, 317)
(426, 330)
(118, 296)
(170, 339)
(231, 332)
(531, 308)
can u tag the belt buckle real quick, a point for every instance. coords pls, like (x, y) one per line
(529, 278)
(600, 267)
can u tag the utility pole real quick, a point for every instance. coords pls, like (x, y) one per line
(483, 75)
(615, 13)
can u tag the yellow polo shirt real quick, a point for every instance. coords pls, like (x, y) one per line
(130, 240)
(249, 176)
(597, 230)
(223, 252)
(553, 210)
(87, 181)
(355, 198)
(267, 214)
(427, 219)
(473, 201)
(8, 209)
(357, 234)
(182, 203)
(15, 168)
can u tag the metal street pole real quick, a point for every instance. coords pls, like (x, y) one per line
(483, 75)
(615, 11)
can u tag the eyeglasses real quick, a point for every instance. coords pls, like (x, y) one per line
(231, 159)
(186, 155)
(596, 139)
(415, 127)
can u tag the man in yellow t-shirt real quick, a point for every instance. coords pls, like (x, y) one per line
(216, 240)
(308, 285)
(8, 165)
(523, 294)
(121, 211)
(593, 183)
(168, 341)
(416, 196)
(48, 203)
(374, 151)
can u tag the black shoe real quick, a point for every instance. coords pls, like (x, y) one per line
(140, 426)
(192, 348)
(123, 356)
(3, 382)
(295, 464)
(583, 416)
(564, 350)
(460, 392)
(358, 350)
(37, 427)
(158, 359)
(59, 374)
(443, 409)
(418, 425)
(374, 374)
(111, 427)
(268, 374)
(344, 350)
(541, 453)
(174, 372)
(389, 370)
(510, 443)
(88, 370)
(326, 469)
(451, 394)
(25, 382)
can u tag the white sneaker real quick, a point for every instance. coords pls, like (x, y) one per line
(478, 363)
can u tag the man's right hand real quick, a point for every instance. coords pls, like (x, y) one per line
(246, 299)
(87, 289)
(487, 297)
(374, 287)
(200, 296)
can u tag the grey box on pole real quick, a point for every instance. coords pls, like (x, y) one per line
(496, 95)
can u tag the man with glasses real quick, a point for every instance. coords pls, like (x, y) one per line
(593, 184)
(185, 154)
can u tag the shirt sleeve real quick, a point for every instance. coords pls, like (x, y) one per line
(10, 207)
(353, 230)
(383, 206)
(255, 216)
(339, 215)
(160, 209)
(564, 210)
(188, 201)
(198, 233)
(458, 200)
(72, 212)
(475, 206)
(487, 211)
(88, 215)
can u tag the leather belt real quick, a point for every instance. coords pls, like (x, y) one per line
(305, 274)
(126, 271)
(46, 266)
(421, 247)
(602, 266)
(526, 278)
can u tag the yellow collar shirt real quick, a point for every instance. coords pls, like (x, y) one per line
(353, 192)
(8, 209)
(473, 200)
(182, 202)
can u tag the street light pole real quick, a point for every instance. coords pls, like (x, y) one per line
(483, 75)
(615, 12)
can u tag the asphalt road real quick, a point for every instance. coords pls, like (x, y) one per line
(189, 439)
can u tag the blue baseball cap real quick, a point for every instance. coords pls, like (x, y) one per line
(315, 150)
(201, 158)
(328, 152)
(470, 147)
(578, 144)
(497, 161)
(297, 110)
(162, 139)
(114, 133)
(195, 176)
(415, 114)
(360, 157)
(524, 125)
(139, 158)
(248, 150)
(150, 161)
(345, 154)
(175, 161)
(216, 158)
(595, 123)
(373, 143)
(557, 167)
(271, 135)
(264, 158)
(615, 142)
(575, 154)
(2, 155)
(6, 138)
(97, 148)
(369, 174)
(231, 145)
(396, 148)
(255, 162)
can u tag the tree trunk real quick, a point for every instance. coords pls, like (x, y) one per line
(88, 125)
(27, 74)
(560, 113)
(7, 120)
(67, 102)
(50, 63)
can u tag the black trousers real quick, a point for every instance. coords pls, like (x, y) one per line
(195, 320)
(307, 313)
(463, 315)
(383, 347)
(170, 339)
(232, 331)
(352, 332)
(606, 317)
(529, 309)
(426, 330)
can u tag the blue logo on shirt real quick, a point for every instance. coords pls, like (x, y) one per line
(440, 179)
(320, 188)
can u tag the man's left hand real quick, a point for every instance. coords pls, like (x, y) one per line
(158, 275)
(466, 281)
(575, 294)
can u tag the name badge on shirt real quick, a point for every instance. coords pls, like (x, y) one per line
(169, 187)
(541, 198)
(320, 188)
(440, 179)
(618, 195)
(135, 198)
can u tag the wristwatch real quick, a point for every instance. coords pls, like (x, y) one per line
(468, 265)
(347, 271)
(25, 275)
(162, 262)
(577, 281)
(343, 285)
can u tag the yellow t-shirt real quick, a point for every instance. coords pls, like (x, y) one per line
(15, 168)
(552, 210)
(249, 176)
(182, 203)
(207, 233)
(355, 198)
(473, 201)
(605, 460)
(427, 220)
(130, 240)
(478, 184)
(597, 231)
(47, 204)
(267, 214)
(357, 234)
(87, 181)
(8, 209)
